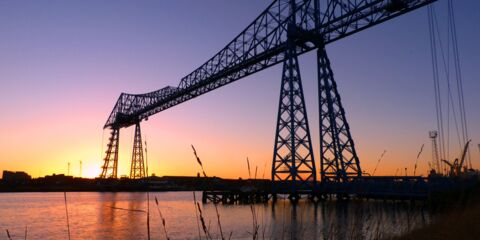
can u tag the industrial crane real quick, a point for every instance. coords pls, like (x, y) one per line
(456, 166)
(282, 32)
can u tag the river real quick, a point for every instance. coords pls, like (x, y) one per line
(94, 215)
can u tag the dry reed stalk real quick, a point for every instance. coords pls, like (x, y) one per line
(8, 234)
(218, 221)
(248, 166)
(209, 224)
(202, 220)
(196, 215)
(216, 208)
(198, 161)
(255, 226)
(163, 219)
(264, 167)
(251, 205)
(378, 162)
(66, 212)
(148, 215)
(416, 160)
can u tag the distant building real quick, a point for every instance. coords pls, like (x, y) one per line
(16, 177)
(58, 179)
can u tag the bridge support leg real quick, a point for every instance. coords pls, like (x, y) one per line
(293, 165)
(338, 158)
(137, 168)
(110, 165)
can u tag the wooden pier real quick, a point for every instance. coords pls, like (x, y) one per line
(233, 197)
(380, 188)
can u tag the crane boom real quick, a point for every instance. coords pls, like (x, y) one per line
(462, 160)
(448, 163)
(261, 45)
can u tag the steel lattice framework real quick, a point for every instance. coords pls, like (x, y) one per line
(264, 43)
(338, 158)
(261, 45)
(137, 168)
(110, 165)
(293, 155)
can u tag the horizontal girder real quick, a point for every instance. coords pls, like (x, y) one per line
(263, 44)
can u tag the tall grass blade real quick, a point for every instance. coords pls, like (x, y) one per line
(378, 162)
(248, 166)
(416, 160)
(66, 212)
(264, 167)
(216, 208)
(196, 215)
(163, 219)
(8, 234)
(219, 223)
(202, 220)
(148, 215)
(198, 160)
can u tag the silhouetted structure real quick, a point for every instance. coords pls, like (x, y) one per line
(57, 179)
(16, 177)
(285, 30)
(435, 158)
(293, 160)
(137, 169)
(110, 165)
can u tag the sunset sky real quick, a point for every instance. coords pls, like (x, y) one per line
(63, 65)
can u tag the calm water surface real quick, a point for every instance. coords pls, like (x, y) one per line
(95, 215)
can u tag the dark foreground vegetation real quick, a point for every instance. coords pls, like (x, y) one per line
(457, 217)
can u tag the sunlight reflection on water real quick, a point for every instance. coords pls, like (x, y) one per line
(95, 215)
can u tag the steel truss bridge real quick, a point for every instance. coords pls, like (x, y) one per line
(282, 32)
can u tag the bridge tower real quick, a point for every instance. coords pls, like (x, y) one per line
(110, 165)
(137, 169)
(293, 162)
(338, 158)
(286, 29)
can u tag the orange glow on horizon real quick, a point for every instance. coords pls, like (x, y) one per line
(222, 148)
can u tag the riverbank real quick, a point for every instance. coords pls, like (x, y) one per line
(62, 183)
(458, 217)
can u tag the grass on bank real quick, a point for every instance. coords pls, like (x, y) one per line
(457, 225)
(458, 217)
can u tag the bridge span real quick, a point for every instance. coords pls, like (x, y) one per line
(282, 32)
